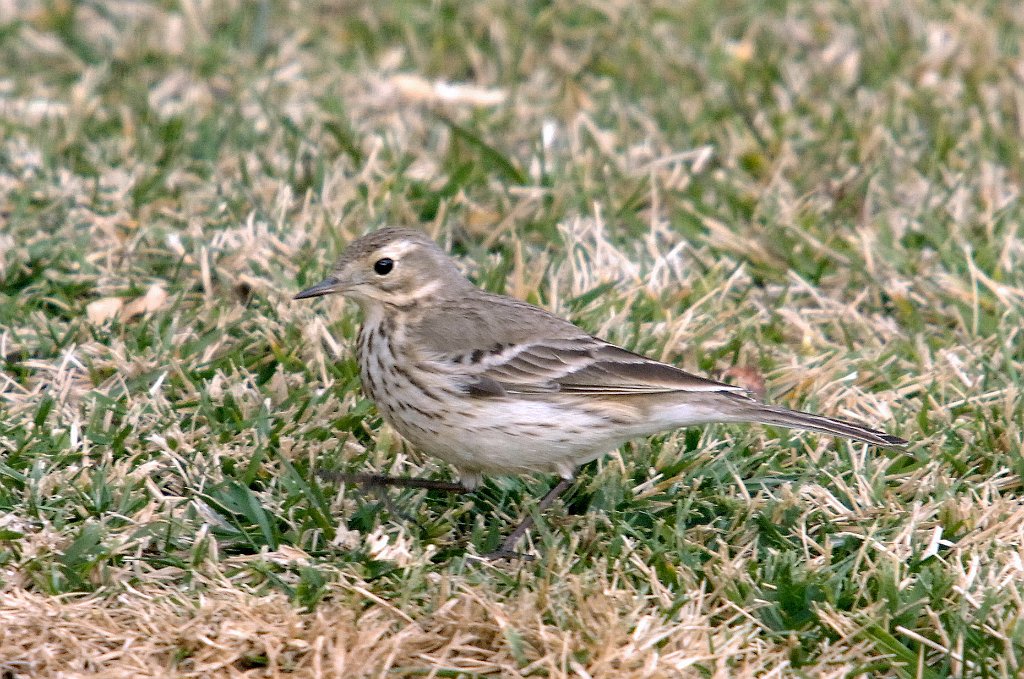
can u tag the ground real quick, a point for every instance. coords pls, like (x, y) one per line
(819, 201)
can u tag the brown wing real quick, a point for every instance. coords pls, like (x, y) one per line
(525, 349)
(586, 366)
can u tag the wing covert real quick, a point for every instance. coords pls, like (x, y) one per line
(579, 366)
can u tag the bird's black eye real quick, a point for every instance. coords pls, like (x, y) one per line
(384, 266)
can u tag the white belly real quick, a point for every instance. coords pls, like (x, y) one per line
(511, 436)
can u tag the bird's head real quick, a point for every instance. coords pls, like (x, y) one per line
(392, 266)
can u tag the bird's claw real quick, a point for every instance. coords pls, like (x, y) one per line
(503, 552)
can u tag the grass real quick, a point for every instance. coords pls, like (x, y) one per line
(825, 197)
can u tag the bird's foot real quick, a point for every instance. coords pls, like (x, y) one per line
(503, 553)
(383, 481)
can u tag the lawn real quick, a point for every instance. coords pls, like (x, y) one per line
(823, 198)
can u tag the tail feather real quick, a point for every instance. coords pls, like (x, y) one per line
(783, 417)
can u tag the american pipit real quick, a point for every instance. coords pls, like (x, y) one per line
(493, 385)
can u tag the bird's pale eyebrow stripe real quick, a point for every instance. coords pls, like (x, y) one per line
(397, 249)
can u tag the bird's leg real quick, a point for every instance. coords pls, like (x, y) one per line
(506, 551)
(377, 482)
(383, 480)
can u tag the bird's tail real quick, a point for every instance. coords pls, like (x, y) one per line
(783, 417)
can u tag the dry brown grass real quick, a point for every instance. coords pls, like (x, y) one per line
(227, 631)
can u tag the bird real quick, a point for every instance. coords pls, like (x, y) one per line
(496, 386)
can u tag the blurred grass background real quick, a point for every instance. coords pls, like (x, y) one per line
(824, 196)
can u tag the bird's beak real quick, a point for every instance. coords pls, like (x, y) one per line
(324, 287)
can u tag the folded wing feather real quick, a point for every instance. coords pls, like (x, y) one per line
(592, 367)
